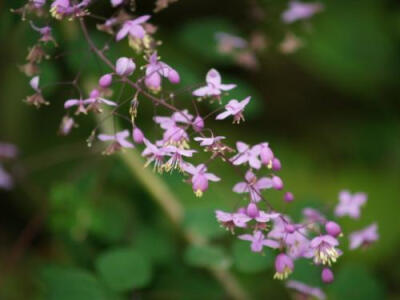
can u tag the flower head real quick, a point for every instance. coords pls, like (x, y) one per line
(349, 205)
(364, 237)
(283, 266)
(200, 178)
(247, 154)
(214, 86)
(157, 69)
(325, 251)
(253, 186)
(298, 11)
(258, 241)
(133, 28)
(234, 108)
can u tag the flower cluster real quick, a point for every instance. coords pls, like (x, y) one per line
(184, 134)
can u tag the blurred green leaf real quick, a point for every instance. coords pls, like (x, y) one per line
(305, 271)
(206, 256)
(201, 221)
(247, 261)
(124, 269)
(62, 283)
(356, 283)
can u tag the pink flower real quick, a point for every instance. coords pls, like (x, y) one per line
(157, 69)
(125, 66)
(45, 33)
(200, 178)
(214, 85)
(118, 139)
(307, 290)
(258, 241)
(76, 102)
(105, 81)
(198, 124)
(137, 135)
(325, 251)
(177, 155)
(333, 229)
(154, 154)
(133, 28)
(349, 205)
(327, 275)
(284, 266)
(232, 220)
(298, 10)
(207, 142)
(234, 108)
(247, 155)
(6, 181)
(115, 3)
(364, 237)
(95, 100)
(266, 154)
(253, 186)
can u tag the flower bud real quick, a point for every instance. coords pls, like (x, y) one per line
(266, 154)
(173, 76)
(277, 183)
(125, 66)
(327, 275)
(105, 81)
(288, 197)
(198, 124)
(333, 229)
(290, 228)
(199, 184)
(252, 210)
(276, 164)
(94, 93)
(137, 135)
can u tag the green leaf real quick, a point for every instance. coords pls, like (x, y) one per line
(356, 283)
(124, 269)
(247, 261)
(305, 271)
(206, 256)
(201, 221)
(64, 283)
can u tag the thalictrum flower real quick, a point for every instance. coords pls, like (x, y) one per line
(333, 229)
(364, 237)
(134, 28)
(200, 178)
(234, 108)
(247, 155)
(349, 205)
(157, 69)
(154, 154)
(325, 251)
(76, 102)
(258, 241)
(137, 135)
(214, 86)
(307, 290)
(298, 11)
(177, 155)
(232, 220)
(327, 275)
(125, 66)
(118, 141)
(253, 186)
(207, 142)
(283, 266)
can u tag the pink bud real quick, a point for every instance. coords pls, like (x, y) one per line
(105, 80)
(276, 164)
(173, 76)
(266, 154)
(290, 228)
(288, 197)
(333, 228)
(125, 66)
(252, 210)
(283, 263)
(94, 93)
(137, 135)
(198, 124)
(277, 183)
(327, 275)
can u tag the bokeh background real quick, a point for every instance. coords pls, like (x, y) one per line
(330, 111)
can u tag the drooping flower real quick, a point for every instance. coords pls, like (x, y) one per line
(364, 237)
(133, 28)
(198, 124)
(349, 205)
(325, 251)
(277, 182)
(200, 178)
(118, 141)
(214, 86)
(125, 66)
(36, 99)
(176, 157)
(234, 108)
(247, 154)
(283, 266)
(232, 220)
(154, 154)
(253, 186)
(298, 11)
(157, 69)
(258, 241)
(307, 290)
